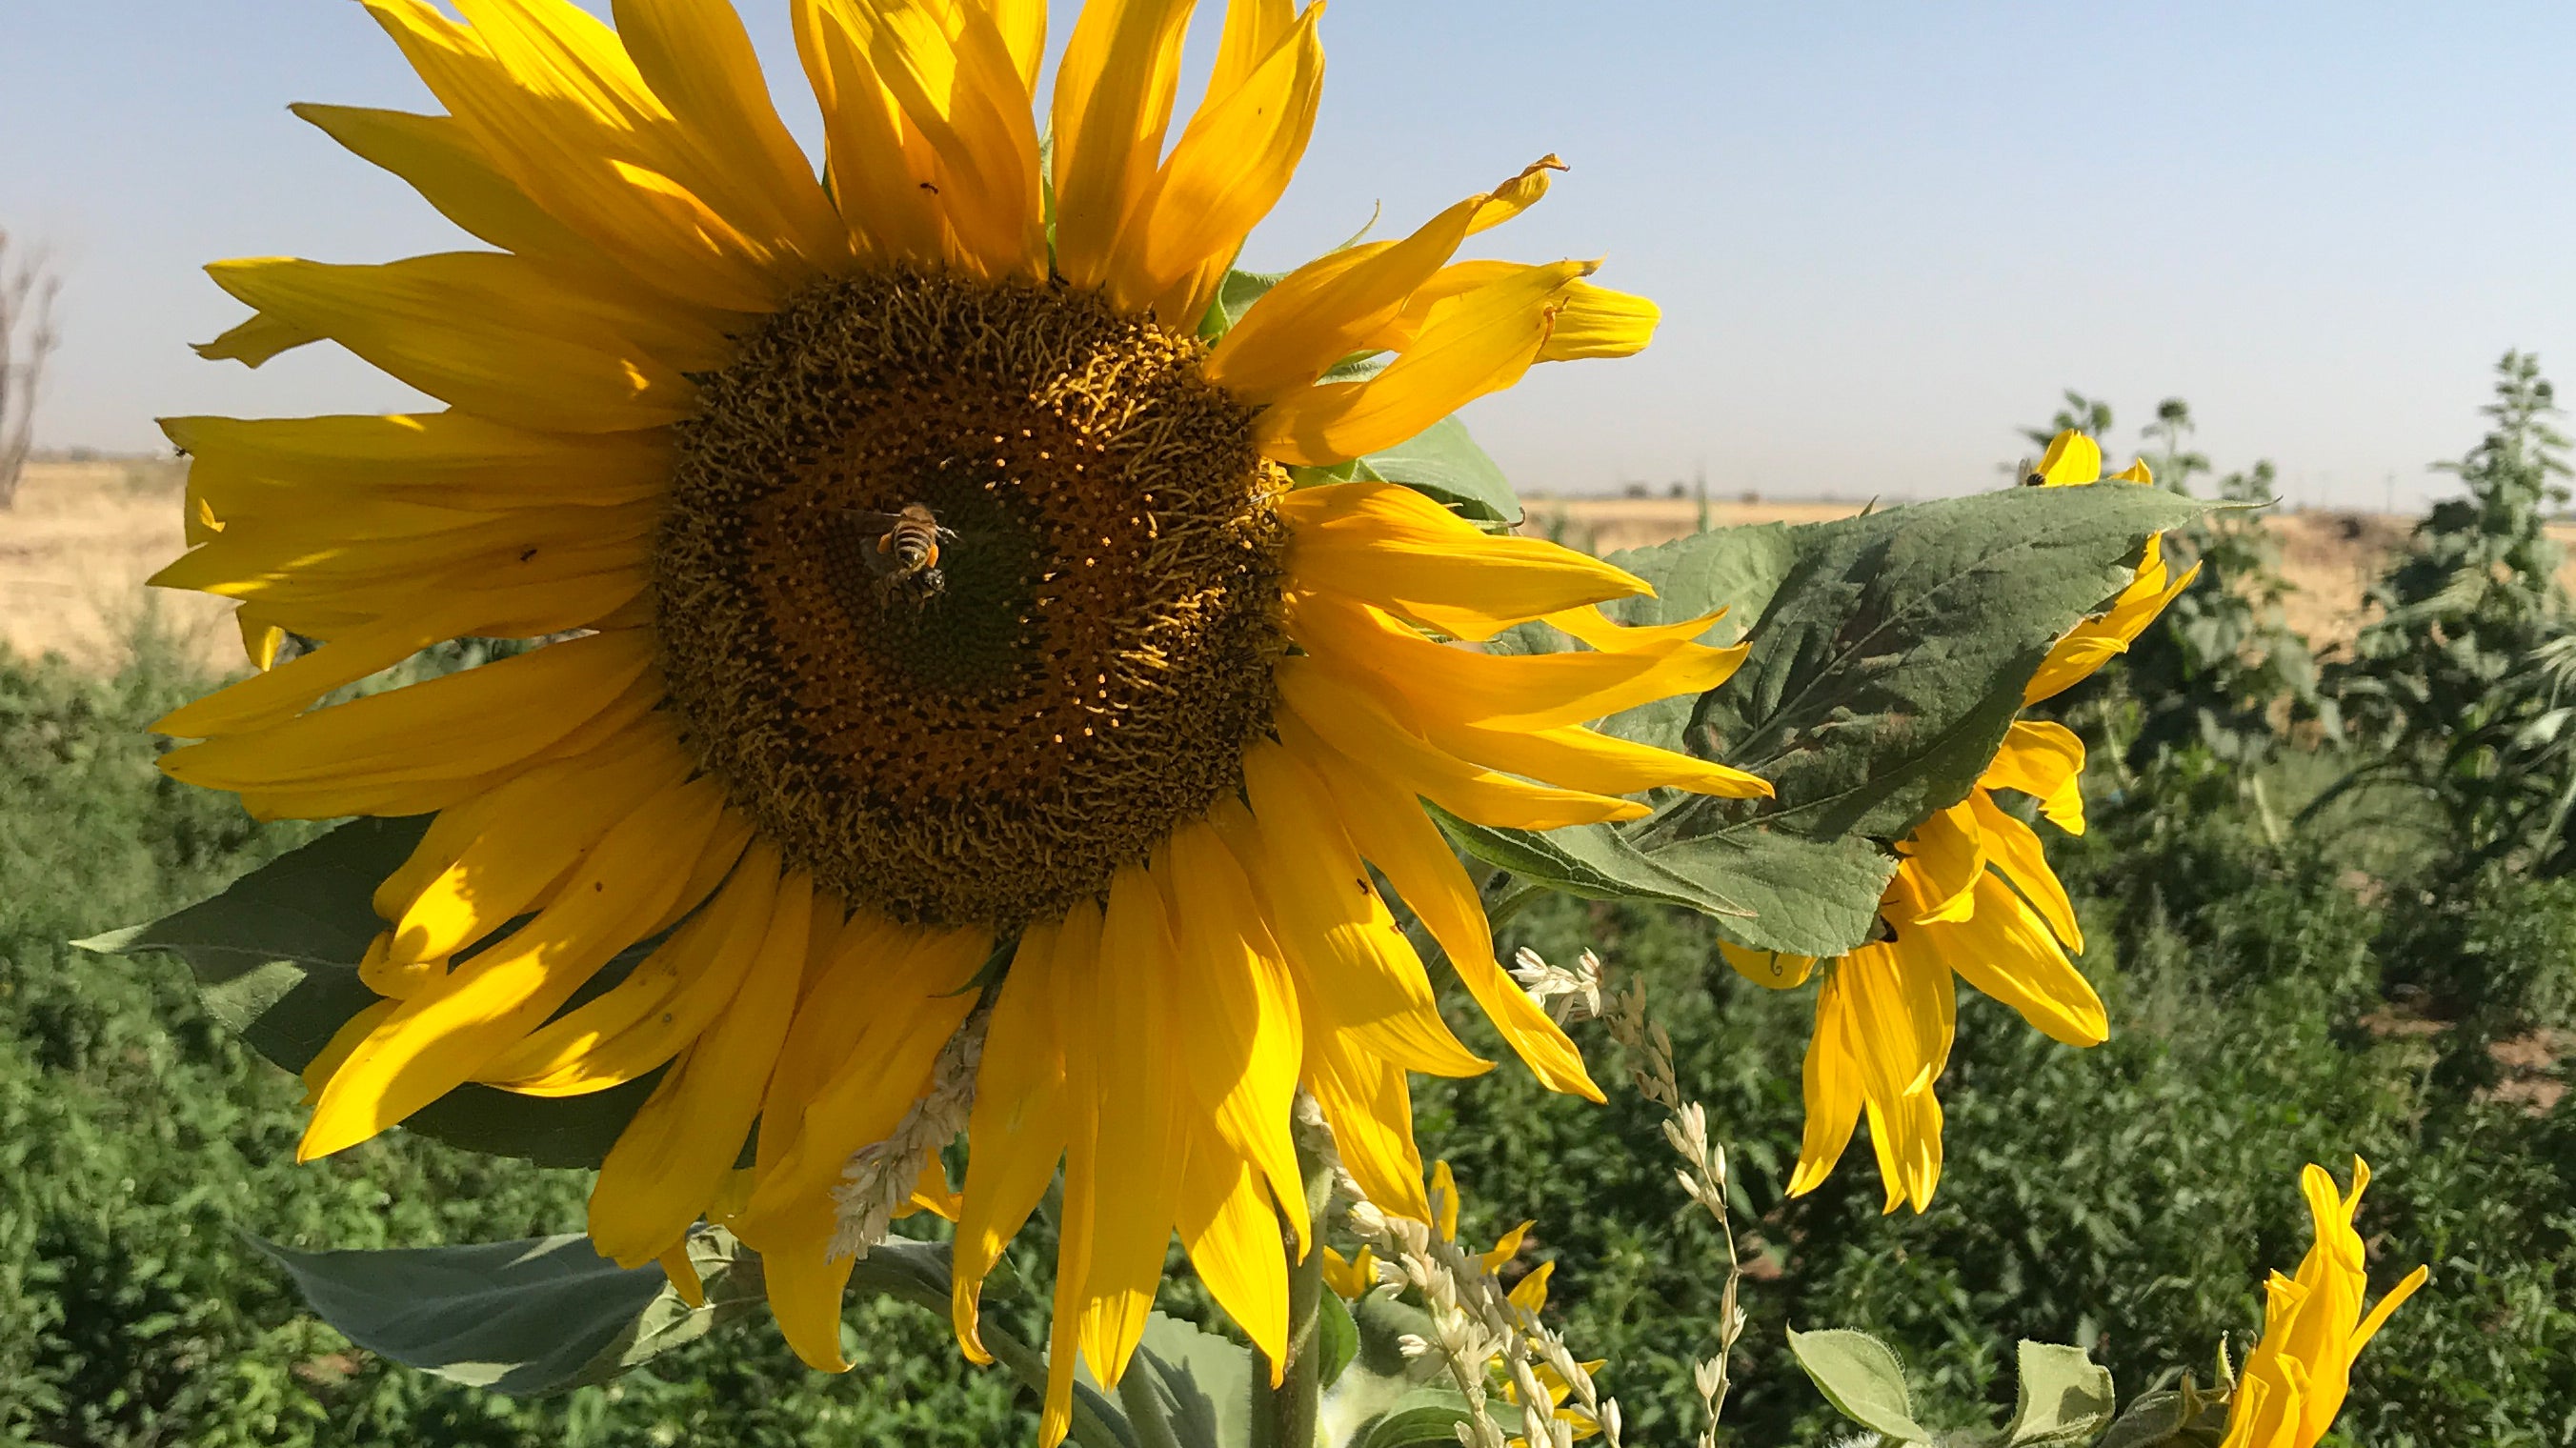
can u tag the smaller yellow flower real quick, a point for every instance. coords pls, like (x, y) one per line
(1351, 1278)
(2294, 1381)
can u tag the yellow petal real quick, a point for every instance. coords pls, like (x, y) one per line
(2095, 642)
(1391, 830)
(1598, 322)
(698, 60)
(2006, 950)
(1229, 169)
(1579, 758)
(1387, 545)
(440, 160)
(537, 827)
(1231, 1232)
(890, 206)
(1483, 345)
(254, 342)
(1372, 1118)
(547, 94)
(1016, 1131)
(672, 1158)
(1113, 100)
(449, 458)
(2044, 760)
(1494, 691)
(1356, 726)
(1833, 1091)
(1136, 1162)
(670, 997)
(1768, 968)
(2014, 849)
(1339, 937)
(962, 93)
(1945, 856)
(484, 332)
(1327, 309)
(864, 1078)
(437, 1039)
(1245, 1040)
(2072, 459)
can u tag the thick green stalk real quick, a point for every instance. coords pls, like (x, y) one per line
(1284, 1416)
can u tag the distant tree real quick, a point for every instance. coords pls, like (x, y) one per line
(2461, 686)
(27, 338)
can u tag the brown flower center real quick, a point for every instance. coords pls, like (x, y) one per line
(968, 592)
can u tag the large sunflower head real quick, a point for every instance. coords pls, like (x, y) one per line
(945, 689)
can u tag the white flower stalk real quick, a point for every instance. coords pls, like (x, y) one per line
(879, 1178)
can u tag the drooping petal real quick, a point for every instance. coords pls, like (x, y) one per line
(1394, 834)
(2006, 950)
(673, 1156)
(440, 1037)
(2013, 848)
(1484, 345)
(1016, 1127)
(1327, 915)
(484, 332)
(1329, 308)
(2045, 760)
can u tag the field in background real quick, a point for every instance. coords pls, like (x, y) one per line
(84, 536)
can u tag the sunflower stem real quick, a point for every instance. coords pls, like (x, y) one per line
(1285, 1416)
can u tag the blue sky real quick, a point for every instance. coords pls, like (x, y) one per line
(1883, 235)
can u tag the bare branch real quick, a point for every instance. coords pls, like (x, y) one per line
(27, 338)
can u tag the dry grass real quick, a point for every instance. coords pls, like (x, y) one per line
(73, 556)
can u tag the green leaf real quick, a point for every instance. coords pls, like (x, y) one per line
(542, 1315)
(276, 954)
(1234, 297)
(1425, 1416)
(1446, 464)
(1337, 1336)
(1862, 1378)
(1188, 1388)
(1888, 657)
(1379, 1379)
(2065, 1396)
(1891, 660)
(2167, 1419)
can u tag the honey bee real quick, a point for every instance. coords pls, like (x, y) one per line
(905, 557)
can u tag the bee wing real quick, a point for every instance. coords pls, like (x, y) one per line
(872, 521)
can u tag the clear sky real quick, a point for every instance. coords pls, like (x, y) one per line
(1883, 235)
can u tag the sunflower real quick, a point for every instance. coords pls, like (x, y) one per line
(1973, 899)
(2294, 1381)
(943, 685)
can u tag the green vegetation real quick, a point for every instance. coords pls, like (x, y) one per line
(2394, 975)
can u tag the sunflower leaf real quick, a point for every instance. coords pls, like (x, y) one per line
(275, 955)
(1888, 656)
(2065, 1396)
(1862, 1378)
(536, 1316)
(1446, 465)
(1188, 1388)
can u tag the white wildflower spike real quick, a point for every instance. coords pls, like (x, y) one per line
(879, 1178)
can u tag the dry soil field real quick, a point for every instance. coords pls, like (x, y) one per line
(84, 536)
